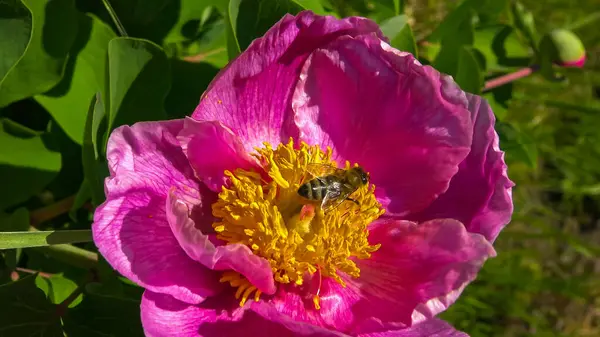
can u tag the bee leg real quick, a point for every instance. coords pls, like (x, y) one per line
(354, 201)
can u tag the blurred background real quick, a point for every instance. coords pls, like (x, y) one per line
(56, 63)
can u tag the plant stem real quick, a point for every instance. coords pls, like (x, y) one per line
(505, 79)
(46, 213)
(70, 254)
(115, 18)
(31, 271)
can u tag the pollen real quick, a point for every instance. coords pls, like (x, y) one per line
(299, 239)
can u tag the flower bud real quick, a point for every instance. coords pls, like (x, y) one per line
(565, 47)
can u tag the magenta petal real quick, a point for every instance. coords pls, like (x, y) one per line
(480, 194)
(221, 316)
(252, 95)
(211, 149)
(405, 123)
(431, 328)
(130, 228)
(418, 272)
(198, 247)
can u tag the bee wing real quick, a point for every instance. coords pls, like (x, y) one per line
(321, 169)
(330, 203)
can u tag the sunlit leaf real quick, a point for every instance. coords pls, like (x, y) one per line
(313, 5)
(502, 48)
(400, 34)
(10, 240)
(26, 171)
(58, 288)
(15, 31)
(26, 311)
(85, 75)
(54, 26)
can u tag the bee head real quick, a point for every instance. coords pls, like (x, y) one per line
(364, 176)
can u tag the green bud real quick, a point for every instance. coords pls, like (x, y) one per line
(564, 48)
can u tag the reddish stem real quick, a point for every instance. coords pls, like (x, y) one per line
(502, 80)
(31, 271)
(43, 214)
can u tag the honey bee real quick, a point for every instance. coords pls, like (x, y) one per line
(332, 186)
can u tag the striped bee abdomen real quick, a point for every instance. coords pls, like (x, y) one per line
(314, 189)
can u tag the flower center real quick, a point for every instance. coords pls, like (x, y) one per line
(294, 234)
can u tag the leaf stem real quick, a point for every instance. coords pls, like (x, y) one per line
(115, 18)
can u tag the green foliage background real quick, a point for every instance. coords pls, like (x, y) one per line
(69, 75)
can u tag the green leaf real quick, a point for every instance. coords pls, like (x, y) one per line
(200, 33)
(9, 240)
(83, 195)
(447, 59)
(313, 5)
(233, 46)
(26, 312)
(499, 100)
(28, 170)
(525, 23)
(102, 315)
(54, 26)
(451, 25)
(57, 288)
(85, 75)
(92, 175)
(502, 48)
(189, 80)
(519, 147)
(400, 34)
(208, 45)
(139, 80)
(15, 31)
(251, 19)
(16, 221)
(468, 75)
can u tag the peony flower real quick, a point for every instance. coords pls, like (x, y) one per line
(204, 212)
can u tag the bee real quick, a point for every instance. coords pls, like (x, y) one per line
(332, 186)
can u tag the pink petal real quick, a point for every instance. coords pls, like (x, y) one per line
(406, 124)
(252, 95)
(480, 194)
(211, 149)
(431, 328)
(200, 248)
(130, 228)
(418, 272)
(220, 316)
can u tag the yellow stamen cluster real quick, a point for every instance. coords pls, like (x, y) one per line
(297, 239)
